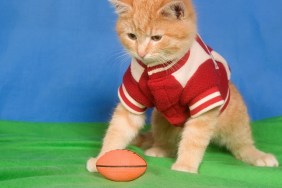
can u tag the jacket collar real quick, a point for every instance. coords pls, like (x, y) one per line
(164, 69)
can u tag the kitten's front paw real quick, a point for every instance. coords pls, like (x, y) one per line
(91, 165)
(156, 152)
(266, 160)
(184, 168)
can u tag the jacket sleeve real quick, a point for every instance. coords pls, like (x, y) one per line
(203, 91)
(130, 94)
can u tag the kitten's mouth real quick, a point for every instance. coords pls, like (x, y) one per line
(145, 60)
(149, 61)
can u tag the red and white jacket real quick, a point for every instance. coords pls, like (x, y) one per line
(189, 87)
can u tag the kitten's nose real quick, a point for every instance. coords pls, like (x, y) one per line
(141, 54)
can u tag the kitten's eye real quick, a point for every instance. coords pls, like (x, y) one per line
(156, 37)
(132, 36)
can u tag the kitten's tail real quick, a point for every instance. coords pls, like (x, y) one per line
(144, 140)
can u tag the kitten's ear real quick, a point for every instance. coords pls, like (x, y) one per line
(120, 6)
(174, 10)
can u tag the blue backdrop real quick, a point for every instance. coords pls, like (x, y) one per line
(60, 60)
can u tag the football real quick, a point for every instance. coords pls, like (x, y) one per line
(121, 165)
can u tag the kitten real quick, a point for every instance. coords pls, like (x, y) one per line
(186, 81)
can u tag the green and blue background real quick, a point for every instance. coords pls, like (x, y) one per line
(61, 64)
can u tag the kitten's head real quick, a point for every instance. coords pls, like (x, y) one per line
(156, 31)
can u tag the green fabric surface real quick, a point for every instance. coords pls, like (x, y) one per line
(55, 154)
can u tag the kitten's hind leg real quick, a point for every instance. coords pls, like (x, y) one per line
(234, 132)
(251, 155)
(165, 137)
(123, 128)
(241, 145)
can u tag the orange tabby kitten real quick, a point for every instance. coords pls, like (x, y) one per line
(188, 84)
